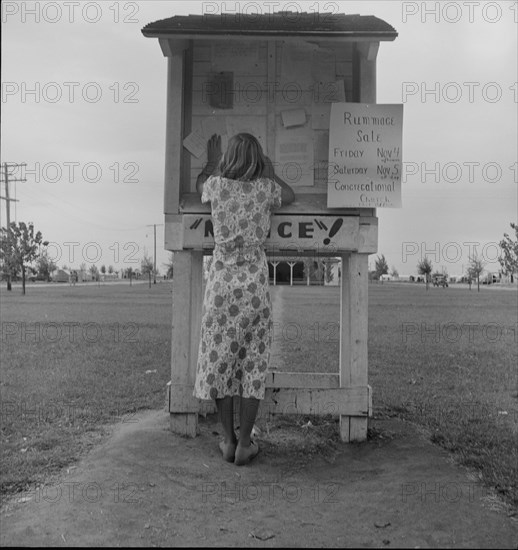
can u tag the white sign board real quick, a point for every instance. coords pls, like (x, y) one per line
(365, 155)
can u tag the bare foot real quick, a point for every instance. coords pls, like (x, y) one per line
(245, 454)
(228, 450)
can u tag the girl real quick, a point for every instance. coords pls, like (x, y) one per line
(237, 322)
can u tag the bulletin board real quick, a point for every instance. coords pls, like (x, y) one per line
(280, 91)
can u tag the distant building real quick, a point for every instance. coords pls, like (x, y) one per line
(303, 271)
(61, 276)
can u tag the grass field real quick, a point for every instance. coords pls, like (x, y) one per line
(74, 359)
(444, 358)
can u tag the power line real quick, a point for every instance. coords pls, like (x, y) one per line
(8, 201)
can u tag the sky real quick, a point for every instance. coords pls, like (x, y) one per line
(84, 105)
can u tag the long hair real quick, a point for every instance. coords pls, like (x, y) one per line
(244, 159)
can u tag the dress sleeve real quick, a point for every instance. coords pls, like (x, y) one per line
(208, 188)
(275, 198)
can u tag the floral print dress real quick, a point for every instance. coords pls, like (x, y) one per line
(236, 326)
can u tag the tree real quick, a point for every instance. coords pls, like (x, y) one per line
(509, 258)
(82, 270)
(394, 273)
(45, 267)
(424, 267)
(19, 247)
(475, 269)
(381, 266)
(103, 269)
(328, 270)
(94, 272)
(110, 269)
(307, 267)
(129, 274)
(146, 266)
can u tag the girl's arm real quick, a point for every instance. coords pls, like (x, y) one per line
(287, 194)
(213, 156)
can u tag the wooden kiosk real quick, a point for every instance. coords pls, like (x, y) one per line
(275, 76)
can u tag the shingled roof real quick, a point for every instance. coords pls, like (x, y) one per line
(271, 24)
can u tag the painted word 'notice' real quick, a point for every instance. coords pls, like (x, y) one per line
(365, 142)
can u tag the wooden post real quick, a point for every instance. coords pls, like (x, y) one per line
(291, 264)
(174, 50)
(275, 264)
(187, 304)
(353, 336)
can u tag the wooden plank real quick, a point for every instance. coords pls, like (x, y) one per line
(277, 379)
(173, 232)
(186, 286)
(353, 336)
(295, 38)
(315, 203)
(366, 71)
(271, 77)
(291, 236)
(368, 238)
(185, 424)
(174, 129)
(196, 309)
(187, 122)
(351, 401)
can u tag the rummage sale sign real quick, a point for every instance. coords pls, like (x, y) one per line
(365, 155)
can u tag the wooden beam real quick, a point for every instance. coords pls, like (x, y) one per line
(187, 296)
(277, 379)
(174, 125)
(365, 71)
(270, 105)
(353, 336)
(172, 46)
(352, 401)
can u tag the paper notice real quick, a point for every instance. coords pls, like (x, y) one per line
(295, 117)
(365, 155)
(294, 156)
(195, 143)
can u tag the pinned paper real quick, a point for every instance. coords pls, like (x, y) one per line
(294, 156)
(295, 117)
(195, 143)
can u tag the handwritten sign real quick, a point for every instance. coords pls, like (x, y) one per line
(365, 155)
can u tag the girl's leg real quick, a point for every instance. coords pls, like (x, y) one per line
(225, 408)
(248, 413)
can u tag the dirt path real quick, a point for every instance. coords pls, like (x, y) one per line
(144, 486)
(147, 487)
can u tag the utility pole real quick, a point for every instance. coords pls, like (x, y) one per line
(154, 249)
(8, 201)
